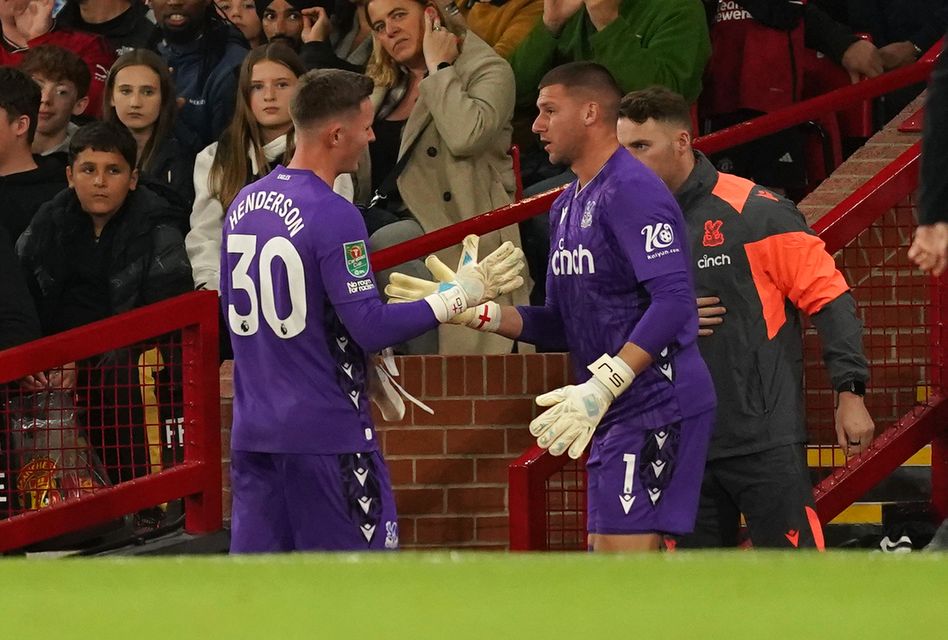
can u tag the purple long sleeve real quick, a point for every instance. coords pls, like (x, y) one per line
(671, 308)
(375, 325)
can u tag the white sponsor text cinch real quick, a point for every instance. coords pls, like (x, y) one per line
(567, 263)
(714, 261)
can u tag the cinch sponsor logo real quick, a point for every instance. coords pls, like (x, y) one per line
(577, 261)
(707, 261)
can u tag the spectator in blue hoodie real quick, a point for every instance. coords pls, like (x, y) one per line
(204, 52)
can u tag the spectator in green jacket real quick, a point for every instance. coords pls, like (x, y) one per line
(641, 42)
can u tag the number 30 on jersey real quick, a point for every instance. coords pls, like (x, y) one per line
(241, 280)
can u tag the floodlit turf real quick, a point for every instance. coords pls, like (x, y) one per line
(479, 595)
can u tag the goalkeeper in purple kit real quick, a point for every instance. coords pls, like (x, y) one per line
(304, 313)
(621, 300)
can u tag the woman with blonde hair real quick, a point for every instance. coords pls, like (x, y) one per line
(258, 138)
(444, 100)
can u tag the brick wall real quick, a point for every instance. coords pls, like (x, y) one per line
(449, 470)
(891, 295)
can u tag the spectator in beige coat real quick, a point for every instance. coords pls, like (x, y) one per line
(444, 100)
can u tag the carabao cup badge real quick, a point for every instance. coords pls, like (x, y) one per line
(357, 259)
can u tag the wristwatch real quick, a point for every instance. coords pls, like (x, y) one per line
(856, 387)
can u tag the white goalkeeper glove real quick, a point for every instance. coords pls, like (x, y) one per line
(577, 409)
(476, 282)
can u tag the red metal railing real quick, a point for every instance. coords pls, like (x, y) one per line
(186, 325)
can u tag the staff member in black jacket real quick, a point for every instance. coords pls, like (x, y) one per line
(754, 258)
(929, 250)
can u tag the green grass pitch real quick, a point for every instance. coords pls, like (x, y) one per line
(480, 595)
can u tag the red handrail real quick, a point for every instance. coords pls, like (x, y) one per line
(198, 479)
(712, 143)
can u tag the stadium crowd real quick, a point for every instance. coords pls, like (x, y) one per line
(129, 127)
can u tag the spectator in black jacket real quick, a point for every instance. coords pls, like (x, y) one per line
(139, 94)
(929, 250)
(100, 248)
(204, 52)
(123, 23)
(26, 181)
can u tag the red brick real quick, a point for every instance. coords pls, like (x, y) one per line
(455, 375)
(446, 412)
(444, 530)
(519, 440)
(434, 377)
(227, 379)
(415, 441)
(506, 411)
(406, 531)
(475, 441)
(868, 167)
(477, 500)
(412, 377)
(557, 370)
(492, 529)
(536, 373)
(474, 375)
(913, 346)
(419, 501)
(495, 375)
(444, 470)
(401, 471)
(492, 470)
(884, 150)
(513, 374)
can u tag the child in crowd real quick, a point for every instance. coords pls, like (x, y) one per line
(64, 83)
(102, 247)
(259, 137)
(139, 94)
(243, 15)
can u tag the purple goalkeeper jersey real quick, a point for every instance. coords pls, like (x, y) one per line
(621, 230)
(293, 251)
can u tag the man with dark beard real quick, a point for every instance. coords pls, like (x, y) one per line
(283, 19)
(204, 53)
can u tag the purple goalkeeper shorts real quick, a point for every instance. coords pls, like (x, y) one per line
(647, 479)
(309, 502)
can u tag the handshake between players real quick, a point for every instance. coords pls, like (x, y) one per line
(465, 297)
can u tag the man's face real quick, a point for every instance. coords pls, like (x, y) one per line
(356, 134)
(102, 180)
(657, 145)
(60, 101)
(180, 20)
(560, 124)
(283, 22)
